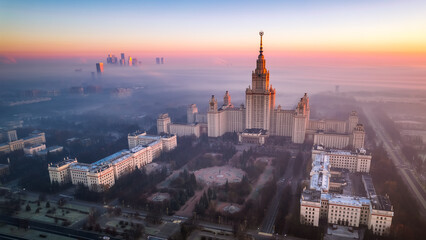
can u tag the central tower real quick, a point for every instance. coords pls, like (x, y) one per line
(260, 97)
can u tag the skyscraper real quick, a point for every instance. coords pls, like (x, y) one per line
(122, 59)
(130, 62)
(162, 60)
(260, 98)
(99, 67)
(157, 60)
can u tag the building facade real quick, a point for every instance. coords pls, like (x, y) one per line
(33, 149)
(163, 124)
(60, 172)
(34, 139)
(185, 129)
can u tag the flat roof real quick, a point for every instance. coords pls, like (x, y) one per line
(345, 200)
(381, 203)
(62, 163)
(80, 166)
(361, 151)
(320, 173)
(311, 195)
(255, 131)
(368, 186)
(111, 157)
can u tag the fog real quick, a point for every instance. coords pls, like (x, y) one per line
(157, 88)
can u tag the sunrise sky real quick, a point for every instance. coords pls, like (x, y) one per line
(31, 29)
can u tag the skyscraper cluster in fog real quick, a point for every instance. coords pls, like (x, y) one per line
(159, 60)
(112, 59)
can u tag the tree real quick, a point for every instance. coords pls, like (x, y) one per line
(28, 208)
(47, 204)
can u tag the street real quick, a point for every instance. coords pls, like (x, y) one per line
(404, 168)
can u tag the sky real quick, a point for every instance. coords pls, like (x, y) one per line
(383, 29)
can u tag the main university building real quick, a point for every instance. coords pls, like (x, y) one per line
(260, 118)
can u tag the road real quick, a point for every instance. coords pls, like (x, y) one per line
(404, 168)
(51, 228)
(268, 224)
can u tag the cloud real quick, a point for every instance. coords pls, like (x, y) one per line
(7, 60)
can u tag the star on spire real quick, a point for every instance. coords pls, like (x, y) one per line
(261, 45)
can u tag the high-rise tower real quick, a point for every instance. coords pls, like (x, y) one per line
(260, 97)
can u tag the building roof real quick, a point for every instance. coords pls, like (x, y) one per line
(80, 166)
(35, 145)
(345, 200)
(360, 151)
(311, 195)
(111, 158)
(320, 173)
(368, 186)
(255, 131)
(62, 163)
(381, 203)
(137, 148)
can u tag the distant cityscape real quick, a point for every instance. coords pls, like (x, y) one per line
(112, 59)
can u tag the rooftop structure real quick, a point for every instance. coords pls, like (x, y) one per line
(253, 135)
(381, 203)
(320, 173)
(311, 195)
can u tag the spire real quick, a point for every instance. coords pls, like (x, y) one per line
(261, 45)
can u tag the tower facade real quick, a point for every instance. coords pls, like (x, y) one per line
(99, 67)
(163, 123)
(352, 121)
(358, 136)
(12, 136)
(227, 100)
(260, 96)
(301, 121)
(191, 112)
(213, 120)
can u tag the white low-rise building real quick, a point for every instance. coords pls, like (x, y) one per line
(60, 172)
(34, 139)
(354, 161)
(102, 174)
(168, 141)
(185, 129)
(34, 149)
(373, 211)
